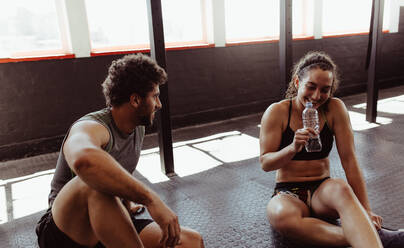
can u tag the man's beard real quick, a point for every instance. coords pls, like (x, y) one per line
(146, 120)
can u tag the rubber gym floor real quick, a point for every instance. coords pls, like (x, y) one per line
(220, 189)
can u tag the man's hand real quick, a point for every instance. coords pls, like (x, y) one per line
(168, 222)
(132, 207)
(376, 219)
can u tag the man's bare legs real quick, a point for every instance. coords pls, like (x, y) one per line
(333, 198)
(88, 216)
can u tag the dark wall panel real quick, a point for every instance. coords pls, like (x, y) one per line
(211, 78)
(40, 99)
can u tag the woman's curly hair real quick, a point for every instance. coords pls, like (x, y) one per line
(313, 59)
(135, 73)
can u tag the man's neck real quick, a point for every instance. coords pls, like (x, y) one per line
(123, 118)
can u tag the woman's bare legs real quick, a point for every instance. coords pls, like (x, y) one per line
(335, 197)
(290, 216)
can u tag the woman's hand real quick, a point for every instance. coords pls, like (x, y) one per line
(376, 219)
(301, 137)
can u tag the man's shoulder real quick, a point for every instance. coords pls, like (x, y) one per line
(94, 122)
(102, 116)
(98, 114)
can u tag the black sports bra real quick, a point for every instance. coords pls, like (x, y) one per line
(326, 135)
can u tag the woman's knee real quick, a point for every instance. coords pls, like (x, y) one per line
(284, 224)
(282, 219)
(340, 191)
(191, 238)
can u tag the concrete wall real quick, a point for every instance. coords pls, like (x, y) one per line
(40, 99)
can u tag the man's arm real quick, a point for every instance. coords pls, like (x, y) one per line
(100, 171)
(97, 168)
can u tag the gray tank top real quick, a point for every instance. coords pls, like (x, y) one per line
(124, 148)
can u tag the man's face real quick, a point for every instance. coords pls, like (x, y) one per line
(148, 106)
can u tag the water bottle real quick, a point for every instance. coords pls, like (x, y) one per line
(310, 119)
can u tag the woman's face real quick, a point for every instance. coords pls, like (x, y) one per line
(315, 87)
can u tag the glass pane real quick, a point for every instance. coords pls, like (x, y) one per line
(251, 19)
(182, 20)
(303, 11)
(346, 16)
(386, 15)
(28, 25)
(117, 23)
(260, 19)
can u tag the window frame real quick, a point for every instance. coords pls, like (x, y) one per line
(210, 29)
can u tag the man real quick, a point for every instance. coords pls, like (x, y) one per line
(96, 208)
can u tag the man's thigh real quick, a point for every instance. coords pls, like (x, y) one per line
(70, 212)
(50, 236)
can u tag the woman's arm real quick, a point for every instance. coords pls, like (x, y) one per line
(346, 150)
(271, 135)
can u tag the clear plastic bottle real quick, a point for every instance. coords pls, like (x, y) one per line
(310, 119)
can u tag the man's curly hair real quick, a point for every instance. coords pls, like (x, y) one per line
(135, 73)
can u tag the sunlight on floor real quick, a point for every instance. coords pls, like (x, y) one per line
(188, 161)
(232, 148)
(3, 206)
(33, 193)
(358, 121)
(24, 195)
(201, 154)
(392, 105)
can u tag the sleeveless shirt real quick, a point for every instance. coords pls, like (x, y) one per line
(326, 136)
(124, 148)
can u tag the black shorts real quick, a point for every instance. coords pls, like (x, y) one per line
(301, 190)
(49, 235)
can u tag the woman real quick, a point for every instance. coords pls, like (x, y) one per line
(305, 194)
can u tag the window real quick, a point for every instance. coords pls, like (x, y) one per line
(249, 20)
(260, 19)
(123, 24)
(303, 11)
(346, 16)
(117, 25)
(29, 28)
(183, 21)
